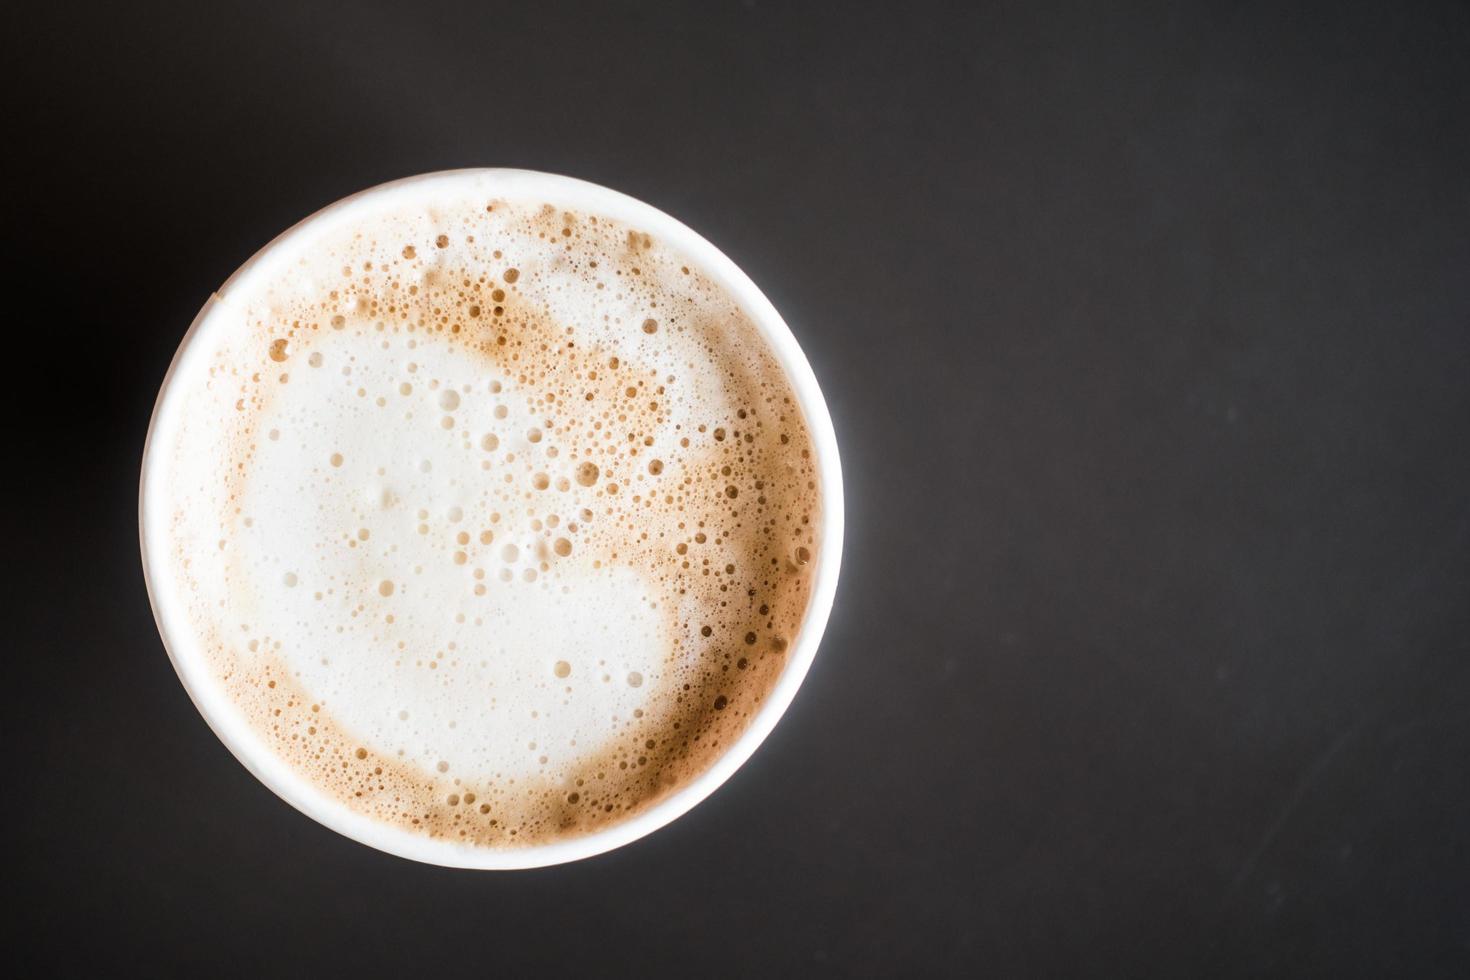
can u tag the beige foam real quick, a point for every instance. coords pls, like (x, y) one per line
(495, 520)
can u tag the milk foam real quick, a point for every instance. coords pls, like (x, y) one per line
(495, 520)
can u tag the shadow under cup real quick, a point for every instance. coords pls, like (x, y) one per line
(184, 646)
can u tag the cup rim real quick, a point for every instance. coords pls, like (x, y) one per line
(227, 722)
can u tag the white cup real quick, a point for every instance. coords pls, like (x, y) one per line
(189, 660)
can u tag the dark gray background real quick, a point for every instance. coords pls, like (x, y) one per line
(1147, 339)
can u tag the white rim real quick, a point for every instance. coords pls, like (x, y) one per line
(227, 722)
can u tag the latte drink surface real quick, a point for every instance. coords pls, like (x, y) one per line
(491, 519)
